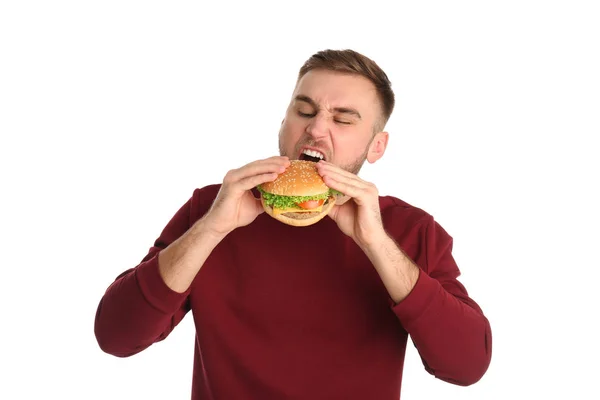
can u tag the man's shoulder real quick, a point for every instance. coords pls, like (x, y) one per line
(391, 204)
(208, 191)
(202, 199)
(398, 212)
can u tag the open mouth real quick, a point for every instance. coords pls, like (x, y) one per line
(311, 155)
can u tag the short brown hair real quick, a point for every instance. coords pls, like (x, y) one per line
(350, 61)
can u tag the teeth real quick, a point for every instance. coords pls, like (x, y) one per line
(313, 153)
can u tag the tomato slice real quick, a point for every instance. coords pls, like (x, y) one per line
(310, 204)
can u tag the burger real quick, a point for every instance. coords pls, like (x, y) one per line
(298, 196)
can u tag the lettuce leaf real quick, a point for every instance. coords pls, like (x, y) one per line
(278, 201)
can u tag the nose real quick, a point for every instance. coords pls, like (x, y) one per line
(318, 127)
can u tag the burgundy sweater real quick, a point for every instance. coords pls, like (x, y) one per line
(286, 312)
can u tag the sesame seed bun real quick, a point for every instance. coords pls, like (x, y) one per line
(299, 179)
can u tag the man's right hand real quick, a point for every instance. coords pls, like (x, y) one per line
(235, 205)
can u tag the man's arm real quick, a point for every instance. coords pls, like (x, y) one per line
(448, 328)
(398, 273)
(181, 261)
(144, 304)
(450, 331)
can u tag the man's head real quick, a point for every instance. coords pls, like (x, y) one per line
(339, 108)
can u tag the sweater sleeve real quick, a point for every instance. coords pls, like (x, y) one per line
(138, 308)
(448, 328)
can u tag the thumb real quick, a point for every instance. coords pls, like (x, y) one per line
(258, 206)
(333, 213)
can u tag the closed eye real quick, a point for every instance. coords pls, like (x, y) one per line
(311, 115)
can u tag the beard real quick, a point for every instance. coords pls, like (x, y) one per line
(352, 167)
(355, 165)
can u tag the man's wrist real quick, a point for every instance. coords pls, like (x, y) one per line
(397, 271)
(202, 229)
(373, 241)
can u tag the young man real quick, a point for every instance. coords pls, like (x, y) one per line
(317, 312)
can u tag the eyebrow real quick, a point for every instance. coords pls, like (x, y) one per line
(344, 110)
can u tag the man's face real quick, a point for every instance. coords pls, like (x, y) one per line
(333, 114)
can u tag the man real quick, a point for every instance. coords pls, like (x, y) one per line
(317, 312)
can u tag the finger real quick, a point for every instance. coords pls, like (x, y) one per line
(258, 207)
(251, 182)
(362, 192)
(324, 166)
(255, 167)
(333, 212)
(340, 175)
(259, 167)
(332, 216)
(341, 200)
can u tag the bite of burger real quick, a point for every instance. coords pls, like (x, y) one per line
(298, 197)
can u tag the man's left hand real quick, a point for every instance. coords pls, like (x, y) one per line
(359, 217)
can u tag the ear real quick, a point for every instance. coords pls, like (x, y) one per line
(377, 146)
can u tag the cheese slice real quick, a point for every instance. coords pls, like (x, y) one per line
(277, 211)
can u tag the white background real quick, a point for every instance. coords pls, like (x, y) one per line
(112, 112)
